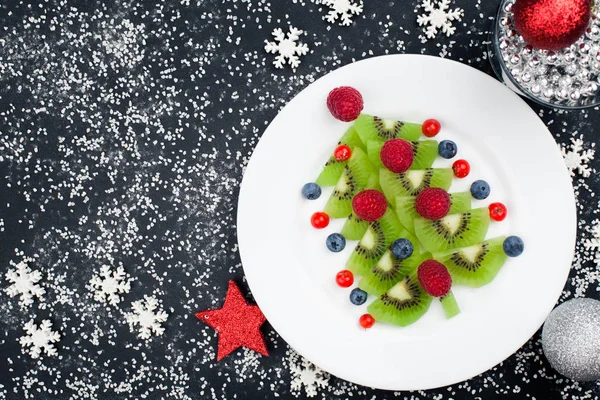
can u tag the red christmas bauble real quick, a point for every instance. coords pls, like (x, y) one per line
(551, 24)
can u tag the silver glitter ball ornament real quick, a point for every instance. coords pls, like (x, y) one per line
(571, 339)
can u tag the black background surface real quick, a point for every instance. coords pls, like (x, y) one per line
(124, 130)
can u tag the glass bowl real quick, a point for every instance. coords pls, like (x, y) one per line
(565, 79)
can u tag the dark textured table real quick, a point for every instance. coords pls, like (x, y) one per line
(124, 131)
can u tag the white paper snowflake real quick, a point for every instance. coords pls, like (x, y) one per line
(288, 48)
(577, 158)
(306, 374)
(342, 10)
(38, 339)
(147, 316)
(108, 284)
(24, 282)
(440, 17)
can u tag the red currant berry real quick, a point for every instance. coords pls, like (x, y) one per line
(431, 127)
(461, 168)
(319, 220)
(344, 278)
(366, 321)
(497, 211)
(342, 152)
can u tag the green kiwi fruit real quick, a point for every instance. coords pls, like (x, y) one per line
(405, 207)
(411, 182)
(449, 305)
(374, 128)
(356, 175)
(454, 230)
(475, 265)
(403, 304)
(355, 227)
(333, 168)
(389, 270)
(376, 240)
(425, 152)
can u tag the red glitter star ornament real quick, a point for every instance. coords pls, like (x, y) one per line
(237, 322)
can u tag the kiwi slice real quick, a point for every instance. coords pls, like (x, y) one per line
(425, 152)
(333, 168)
(411, 182)
(405, 208)
(475, 265)
(374, 128)
(403, 304)
(389, 270)
(356, 175)
(355, 227)
(449, 305)
(454, 230)
(376, 240)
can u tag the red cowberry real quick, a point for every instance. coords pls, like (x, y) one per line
(461, 168)
(345, 103)
(366, 321)
(319, 220)
(434, 278)
(342, 152)
(369, 204)
(433, 203)
(497, 211)
(397, 155)
(344, 278)
(431, 127)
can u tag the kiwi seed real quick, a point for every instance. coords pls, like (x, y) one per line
(350, 191)
(407, 184)
(384, 131)
(412, 288)
(441, 229)
(379, 247)
(472, 266)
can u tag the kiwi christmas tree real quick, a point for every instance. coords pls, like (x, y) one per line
(415, 239)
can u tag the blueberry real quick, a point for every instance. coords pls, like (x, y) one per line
(358, 296)
(336, 242)
(311, 191)
(480, 189)
(402, 249)
(447, 149)
(513, 246)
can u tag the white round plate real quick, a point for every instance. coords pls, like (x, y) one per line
(292, 274)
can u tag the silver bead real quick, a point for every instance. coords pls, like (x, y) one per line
(561, 93)
(575, 95)
(551, 57)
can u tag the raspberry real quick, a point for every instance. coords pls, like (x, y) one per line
(434, 278)
(369, 204)
(433, 203)
(397, 155)
(345, 103)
